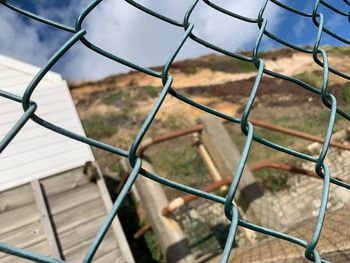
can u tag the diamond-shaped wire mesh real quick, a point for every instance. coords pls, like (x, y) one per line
(319, 55)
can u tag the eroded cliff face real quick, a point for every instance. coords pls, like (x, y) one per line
(113, 109)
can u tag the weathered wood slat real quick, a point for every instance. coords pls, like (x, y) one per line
(74, 198)
(16, 197)
(25, 236)
(64, 182)
(17, 218)
(116, 226)
(41, 247)
(76, 254)
(45, 218)
(80, 233)
(113, 256)
(76, 216)
(77, 208)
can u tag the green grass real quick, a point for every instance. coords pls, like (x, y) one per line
(102, 126)
(112, 98)
(313, 78)
(152, 246)
(178, 160)
(150, 90)
(275, 54)
(192, 70)
(345, 93)
(98, 126)
(270, 179)
(313, 122)
(230, 65)
(151, 243)
(340, 51)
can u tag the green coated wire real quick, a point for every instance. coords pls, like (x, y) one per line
(230, 211)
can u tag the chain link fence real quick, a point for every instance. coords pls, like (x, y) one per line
(79, 34)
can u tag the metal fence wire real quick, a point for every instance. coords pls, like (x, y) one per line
(230, 211)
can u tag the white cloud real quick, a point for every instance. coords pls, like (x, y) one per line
(299, 27)
(125, 31)
(21, 40)
(30, 40)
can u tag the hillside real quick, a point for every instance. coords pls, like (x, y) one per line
(112, 109)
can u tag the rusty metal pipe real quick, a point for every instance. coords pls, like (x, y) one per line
(139, 233)
(162, 138)
(180, 201)
(198, 128)
(295, 133)
(289, 168)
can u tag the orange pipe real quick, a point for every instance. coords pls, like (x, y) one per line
(198, 128)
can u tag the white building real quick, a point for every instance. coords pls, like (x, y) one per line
(40, 164)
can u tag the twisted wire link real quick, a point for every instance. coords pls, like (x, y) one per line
(319, 55)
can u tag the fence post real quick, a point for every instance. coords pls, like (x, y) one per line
(226, 157)
(169, 236)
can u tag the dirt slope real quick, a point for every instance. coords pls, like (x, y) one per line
(112, 109)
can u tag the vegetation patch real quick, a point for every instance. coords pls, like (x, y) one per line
(150, 91)
(314, 78)
(345, 93)
(272, 179)
(113, 97)
(192, 70)
(231, 65)
(178, 160)
(152, 246)
(100, 126)
(97, 126)
(277, 53)
(340, 51)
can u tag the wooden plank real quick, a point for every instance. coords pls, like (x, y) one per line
(17, 218)
(113, 256)
(46, 219)
(16, 197)
(116, 226)
(64, 182)
(76, 216)
(25, 236)
(73, 198)
(41, 247)
(76, 254)
(80, 233)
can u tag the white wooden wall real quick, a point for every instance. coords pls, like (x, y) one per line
(37, 152)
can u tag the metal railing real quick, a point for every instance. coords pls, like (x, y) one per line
(79, 34)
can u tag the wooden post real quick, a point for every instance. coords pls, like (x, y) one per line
(226, 157)
(46, 219)
(116, 226)
(170, 238)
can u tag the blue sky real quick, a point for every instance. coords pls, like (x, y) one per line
(133, 35)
